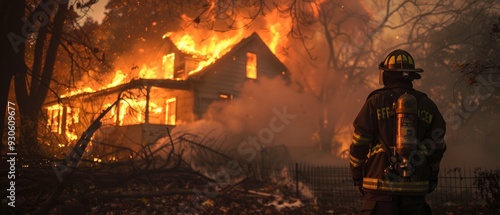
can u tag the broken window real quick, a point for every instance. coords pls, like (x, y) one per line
(170, 111)
(72, 118)
(54, 118)
(61, 119)
(155, 113)
(168, 65)
(251, 70)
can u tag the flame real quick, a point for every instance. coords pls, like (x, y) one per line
(131, 111)
(148, 72)
(278, 26)
(251, 68)
(79, 91)
(203, 51)
(168, 65)
(170, 110)
(117, 79)
(200, 51)
(275, 36)
(56, 122)
(71, 119)
(121, 111)
(207, 51)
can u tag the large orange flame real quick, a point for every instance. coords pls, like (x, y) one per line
(203, 51)
(207, 51)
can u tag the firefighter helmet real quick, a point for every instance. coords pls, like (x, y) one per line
(399, 64)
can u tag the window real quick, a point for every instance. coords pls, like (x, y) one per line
(168, 65)
(170, 111)
(72, 118)
(251, 71)
(54, 115)
(225, 96)
(63, 120)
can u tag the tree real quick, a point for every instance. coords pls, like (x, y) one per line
(339, 42)
(355, 40)
(35, 43)
(33, 84)
(12, 62)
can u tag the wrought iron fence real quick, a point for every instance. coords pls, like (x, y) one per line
(334, 184)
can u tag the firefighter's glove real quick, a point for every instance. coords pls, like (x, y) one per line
(432, 185)
(358, 185)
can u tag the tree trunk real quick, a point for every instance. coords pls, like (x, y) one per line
(31, 103)
(13, 60)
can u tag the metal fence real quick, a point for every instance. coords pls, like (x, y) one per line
(334, 184)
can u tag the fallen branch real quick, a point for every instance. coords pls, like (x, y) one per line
(142, 194)
(233, 186)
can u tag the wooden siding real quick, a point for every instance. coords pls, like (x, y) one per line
(229, 75)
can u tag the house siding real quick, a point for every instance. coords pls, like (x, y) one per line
(193, 98)
(229, 75)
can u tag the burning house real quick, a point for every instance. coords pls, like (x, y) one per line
(181, 92)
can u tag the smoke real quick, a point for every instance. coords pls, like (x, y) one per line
(317, 90)
(270, 111)
(472, 119)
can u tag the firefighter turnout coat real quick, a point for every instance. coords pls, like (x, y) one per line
(375, 126)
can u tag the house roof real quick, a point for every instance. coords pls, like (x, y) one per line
(168, 83)
(163, 83)
(253, 37)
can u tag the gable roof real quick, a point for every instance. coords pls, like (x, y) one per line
(175, 84)
(254, 37)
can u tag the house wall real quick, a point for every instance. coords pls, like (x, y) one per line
(132, 132)
(228, 75)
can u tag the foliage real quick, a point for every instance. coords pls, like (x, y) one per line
(488, 185)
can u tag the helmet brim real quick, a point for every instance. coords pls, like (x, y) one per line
(411, 73)
(417, 70)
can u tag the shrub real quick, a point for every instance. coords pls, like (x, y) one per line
(487, 183)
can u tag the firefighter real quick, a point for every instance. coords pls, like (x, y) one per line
(398, 142)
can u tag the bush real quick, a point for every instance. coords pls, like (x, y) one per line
(488, 186)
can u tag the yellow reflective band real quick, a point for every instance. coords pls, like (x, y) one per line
(376, 150)
(360, 140)
(395, 186)
(410, 60)
(355, 162)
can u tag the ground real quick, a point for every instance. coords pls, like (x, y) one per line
(170, 191)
